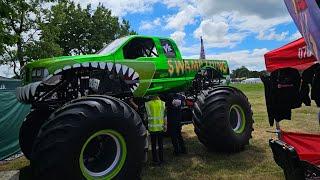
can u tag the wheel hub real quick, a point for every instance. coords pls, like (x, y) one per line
(237, 118)
(103, 155)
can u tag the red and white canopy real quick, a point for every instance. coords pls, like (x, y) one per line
(294, 55)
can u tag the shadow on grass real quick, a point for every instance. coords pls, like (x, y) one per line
(201, 163)
(198, 163)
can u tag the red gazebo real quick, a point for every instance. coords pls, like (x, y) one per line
(294, 55)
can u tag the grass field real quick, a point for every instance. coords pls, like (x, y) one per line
(255, 162)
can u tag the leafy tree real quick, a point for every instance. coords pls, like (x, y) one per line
(4, 12)
(263, 73)
(82, 30)
(240, 72)
(19, 26)
(30, 31)
(244, 72)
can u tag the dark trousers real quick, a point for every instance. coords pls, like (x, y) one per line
(157, 139)
(177, 140)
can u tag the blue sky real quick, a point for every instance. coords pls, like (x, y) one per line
(242, 35)
(240, 31)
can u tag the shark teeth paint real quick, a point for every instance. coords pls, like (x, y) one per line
(135, 76)
(102, 65)
(66, 67)
(110, 66)
(131, 71)
(124, 69)
(25, 93)
(94, 65)
(118, 67)
(85, 64)
(131, 77)
(76, 65)
(57, 71)
(28, 91)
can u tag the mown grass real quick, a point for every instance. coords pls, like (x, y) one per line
(256, 162)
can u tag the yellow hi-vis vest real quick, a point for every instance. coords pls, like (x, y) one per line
(155, 110)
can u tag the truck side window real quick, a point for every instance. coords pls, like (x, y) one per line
(140, 47)
(168, 48)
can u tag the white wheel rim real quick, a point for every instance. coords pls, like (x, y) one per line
(114, 163)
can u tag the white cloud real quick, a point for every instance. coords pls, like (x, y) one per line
(178, 36)
(122, 7)
(176, 3)
(189, 51)
(271, 34)
(295, 36)
(149, 25)
(264, 9)
(146, 25)
(216, 34)
(157, 22)
(254, 23)
(252, 59)
(6, 71)
(185, 16)
(227, 23)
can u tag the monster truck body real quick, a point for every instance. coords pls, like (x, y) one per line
(84, 124)
(157, 70)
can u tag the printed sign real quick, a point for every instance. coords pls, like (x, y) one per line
(306, 15)
(304, 52)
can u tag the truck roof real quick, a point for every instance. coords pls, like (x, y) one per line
(146, 36)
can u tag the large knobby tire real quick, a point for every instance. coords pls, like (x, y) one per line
(223, 119)
(30, 129)
(96, 137)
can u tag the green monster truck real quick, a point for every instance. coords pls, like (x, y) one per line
(81, 126)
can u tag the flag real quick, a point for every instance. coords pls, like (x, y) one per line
(306, 15)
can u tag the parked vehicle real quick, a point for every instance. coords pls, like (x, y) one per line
(81, 126)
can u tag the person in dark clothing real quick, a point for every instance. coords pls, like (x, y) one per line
(157, 140)
(174, 105)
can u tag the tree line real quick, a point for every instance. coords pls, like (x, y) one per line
(37, 29)
(244, 72)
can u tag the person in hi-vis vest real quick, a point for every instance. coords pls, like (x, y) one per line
(156, 126)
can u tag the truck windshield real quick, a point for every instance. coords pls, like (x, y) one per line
(111, 47)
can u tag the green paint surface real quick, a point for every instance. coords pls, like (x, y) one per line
(157, 74)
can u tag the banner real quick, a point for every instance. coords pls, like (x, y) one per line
(306, 15)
